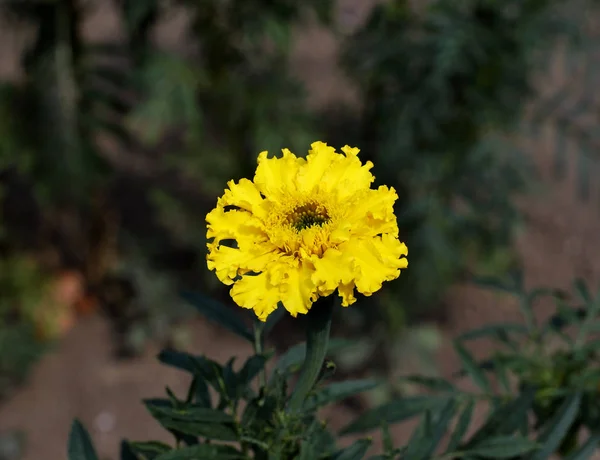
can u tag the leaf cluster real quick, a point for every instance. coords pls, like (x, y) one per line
(537, 400)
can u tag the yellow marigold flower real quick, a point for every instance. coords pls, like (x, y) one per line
(302, 229)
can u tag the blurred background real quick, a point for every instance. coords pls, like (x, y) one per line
(122, 120)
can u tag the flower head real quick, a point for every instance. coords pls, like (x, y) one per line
(302, 229)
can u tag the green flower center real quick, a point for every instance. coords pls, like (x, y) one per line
(308, 215)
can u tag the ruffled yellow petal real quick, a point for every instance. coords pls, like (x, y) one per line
(371, 212)
(319, 160)
(331, 270)
(374, 261)
(276, 177)
(256, 293)
(241, 226)
(253, 252)
(347, 175)
(347, 294)
(245, 196)
(298, 291)
(228, 263)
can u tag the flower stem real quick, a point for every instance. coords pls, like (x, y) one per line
(258, 350)
(317, 338)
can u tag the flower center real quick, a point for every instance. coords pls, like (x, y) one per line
(308, 215)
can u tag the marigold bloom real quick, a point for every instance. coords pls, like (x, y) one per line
(302, 229)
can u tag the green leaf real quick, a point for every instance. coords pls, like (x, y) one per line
(502, 447)
(150, 449)
(471, 367)
(178, 359)
(431, 383)
(317, 337)
(339, 391)
(209, 370)
(204, 452)
(198, 392)
(193, 421)
(462, 425)
(506, 419)
(251, 369)
(586, 450)
(161, 408)
(218, 313)
(439, 428)
(502, 374)
(207, 430)
(557, 428)
(419, 438)
(230, 381)
(356, 451)
(292, 359)
(80, 445)
(394, 412)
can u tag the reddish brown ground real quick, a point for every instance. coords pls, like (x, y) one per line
(80, 379)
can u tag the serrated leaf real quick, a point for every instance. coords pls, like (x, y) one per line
(204, 452)
(394, 412)
(338, 391)
(462, 425)
(218, 313)
(150, 449)
(80, 445)
(502, 447)
(557, 428)
(356, 451)
(472, 368)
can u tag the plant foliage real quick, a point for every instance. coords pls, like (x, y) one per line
(543, 397)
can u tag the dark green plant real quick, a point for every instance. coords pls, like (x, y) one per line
(256, 416)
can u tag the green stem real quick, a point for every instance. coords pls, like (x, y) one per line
(317, 338)
(258, 349)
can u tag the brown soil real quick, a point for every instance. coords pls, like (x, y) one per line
(80, 378)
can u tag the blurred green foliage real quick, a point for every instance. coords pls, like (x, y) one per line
(442, 101)
(23, 296)
(131, 129)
